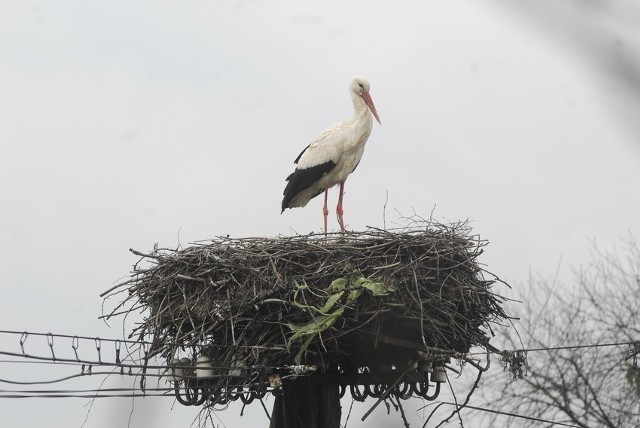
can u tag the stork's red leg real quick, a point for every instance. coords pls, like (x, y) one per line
(339, 210)
(325, 210)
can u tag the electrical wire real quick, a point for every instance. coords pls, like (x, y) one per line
(25, 334)
(514, 415)
(79, 391)
(70, 361)
(74, 337)
(125, 341)
(130, 364)
(91, 396)
(595, 345)
(558, 348)
(84, 374)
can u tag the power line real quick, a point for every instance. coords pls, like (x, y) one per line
(130, 362)
(88, 364)
(73, 337)
(85, 374)
(70, 361)
(163, 392)
(91, 396)
(25, 334)
(550, 348)
(557, 348)
(595, 345)
(514, 415)
(80, 391)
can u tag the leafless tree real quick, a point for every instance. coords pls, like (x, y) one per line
(597, 385)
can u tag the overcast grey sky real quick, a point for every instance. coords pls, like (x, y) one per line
(123, 124)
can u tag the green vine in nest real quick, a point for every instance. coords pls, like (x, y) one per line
(346, 290)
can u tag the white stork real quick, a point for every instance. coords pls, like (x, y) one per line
(333, 155)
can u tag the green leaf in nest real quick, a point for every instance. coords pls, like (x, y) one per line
(328, 314)
(377, 288)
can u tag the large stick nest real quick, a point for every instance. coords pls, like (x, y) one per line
(364, 299)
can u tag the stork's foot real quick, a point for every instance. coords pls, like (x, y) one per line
(325, 214)
(325, 210)
(339, 212)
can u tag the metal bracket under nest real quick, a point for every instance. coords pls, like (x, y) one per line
(195, 386)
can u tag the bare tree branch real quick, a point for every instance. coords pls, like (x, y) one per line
(590, 386)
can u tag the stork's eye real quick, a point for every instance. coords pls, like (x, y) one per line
(361, 86)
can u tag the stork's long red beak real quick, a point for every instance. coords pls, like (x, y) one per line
(372, 107)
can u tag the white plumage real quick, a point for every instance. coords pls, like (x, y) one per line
(333, 155)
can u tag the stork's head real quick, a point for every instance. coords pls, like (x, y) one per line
(360, 87)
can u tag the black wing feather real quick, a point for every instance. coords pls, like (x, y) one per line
(302, 179)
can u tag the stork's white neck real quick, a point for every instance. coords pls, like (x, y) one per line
(362, 120)
(361, 110)
(358, 104)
